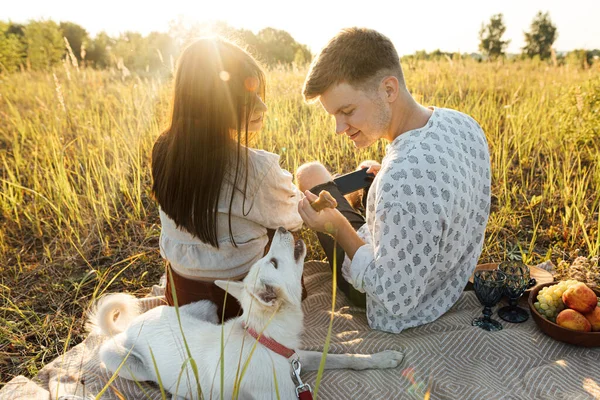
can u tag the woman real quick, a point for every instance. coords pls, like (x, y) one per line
(218, 198)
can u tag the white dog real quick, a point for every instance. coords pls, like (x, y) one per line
(154, 346)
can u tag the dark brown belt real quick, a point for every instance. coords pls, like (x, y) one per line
(189, 291)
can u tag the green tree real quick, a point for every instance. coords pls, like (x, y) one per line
(77, 37)
(16, 29)
(131, 49)
(271, 46)
(541, 37)
(437, 55)
(580, 58)
(45, 44)
(97, 54)
(303, 55)
(161, 48)
(299, 58)
(278, 46)
(248, 40)
(490, 37)
(12, 48)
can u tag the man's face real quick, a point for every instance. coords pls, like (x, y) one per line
(363, 117)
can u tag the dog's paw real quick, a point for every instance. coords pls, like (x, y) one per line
(388, 359)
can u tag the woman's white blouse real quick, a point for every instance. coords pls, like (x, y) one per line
(271, 201)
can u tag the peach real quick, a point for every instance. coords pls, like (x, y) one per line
(594, 318)
(580, 298)
(571, 319)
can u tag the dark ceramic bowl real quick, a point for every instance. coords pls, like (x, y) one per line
(557, 332)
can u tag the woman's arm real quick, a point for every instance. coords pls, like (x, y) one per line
(276, 199)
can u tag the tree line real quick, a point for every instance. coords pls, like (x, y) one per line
(538, 42)
(538, 45)
(39, 45)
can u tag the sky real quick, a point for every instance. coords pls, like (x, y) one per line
(412, 25)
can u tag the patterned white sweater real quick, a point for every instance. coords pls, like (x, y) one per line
(427, 211)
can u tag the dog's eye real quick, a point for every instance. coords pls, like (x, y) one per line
(274, 262)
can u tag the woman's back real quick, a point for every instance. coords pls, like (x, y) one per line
(217, 197)
(271, 201)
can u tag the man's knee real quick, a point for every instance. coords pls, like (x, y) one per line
(312, 174)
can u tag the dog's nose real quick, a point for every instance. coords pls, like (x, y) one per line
(281, 230)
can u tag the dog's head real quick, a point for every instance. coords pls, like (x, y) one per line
(274, 280)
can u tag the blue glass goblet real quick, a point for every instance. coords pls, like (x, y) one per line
(489, 287)
(517, 281)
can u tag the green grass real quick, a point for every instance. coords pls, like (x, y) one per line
(77, 218)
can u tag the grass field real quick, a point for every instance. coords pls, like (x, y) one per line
(77, 219)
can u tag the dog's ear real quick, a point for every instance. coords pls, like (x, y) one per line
(233, 288)
(266, 294)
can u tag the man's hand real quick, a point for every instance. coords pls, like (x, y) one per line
(331, 221)
(325, 200)
(373, 167)
(327, 220)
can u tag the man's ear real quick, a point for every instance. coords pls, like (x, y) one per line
(233, 288)
(391, 87)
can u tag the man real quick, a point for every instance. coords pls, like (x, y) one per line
(428, 205)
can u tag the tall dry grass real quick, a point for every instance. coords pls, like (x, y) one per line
(77, 218)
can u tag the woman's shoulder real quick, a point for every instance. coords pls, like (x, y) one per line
(262, 163)
(262, 157)
(259, 166)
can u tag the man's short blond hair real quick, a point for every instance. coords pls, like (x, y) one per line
(354, 56)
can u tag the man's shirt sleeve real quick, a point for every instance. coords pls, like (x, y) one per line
(394, 267)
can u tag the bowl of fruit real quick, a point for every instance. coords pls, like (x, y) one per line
(568, 311)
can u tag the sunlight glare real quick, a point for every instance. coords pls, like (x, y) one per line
(224, 75)
(562, 363)
(590, 386)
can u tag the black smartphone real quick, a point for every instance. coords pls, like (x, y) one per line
(354, 181)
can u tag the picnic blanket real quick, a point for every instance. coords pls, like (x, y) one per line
(448, 358)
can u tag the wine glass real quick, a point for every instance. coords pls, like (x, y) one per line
(489, 286)
(517, 281)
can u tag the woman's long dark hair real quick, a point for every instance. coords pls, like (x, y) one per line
(215, 90)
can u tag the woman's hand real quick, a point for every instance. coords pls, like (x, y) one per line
(327, 220)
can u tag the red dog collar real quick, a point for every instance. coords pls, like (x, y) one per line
(270, 343)
(303, 390)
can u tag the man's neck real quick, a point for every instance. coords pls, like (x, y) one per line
(408, 115)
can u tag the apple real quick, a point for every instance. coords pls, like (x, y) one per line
(580, 298)
(594, 318)
(574, 320)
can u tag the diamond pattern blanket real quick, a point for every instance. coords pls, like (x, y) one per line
(446, 359)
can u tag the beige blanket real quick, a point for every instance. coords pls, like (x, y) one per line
(449, 358)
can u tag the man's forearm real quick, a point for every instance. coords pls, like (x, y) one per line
(347, 237)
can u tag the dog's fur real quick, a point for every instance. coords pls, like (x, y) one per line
(270, 296)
